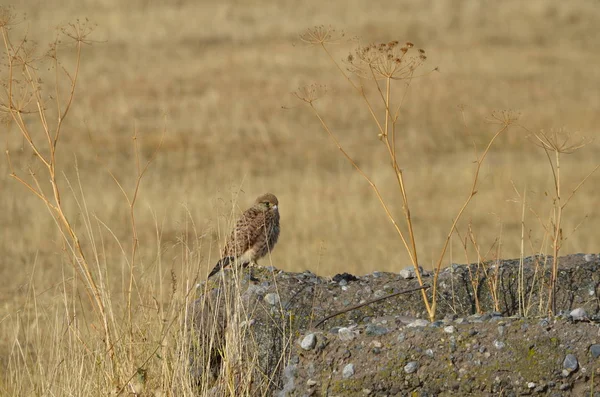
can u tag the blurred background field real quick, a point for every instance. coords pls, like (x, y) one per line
(217, 77)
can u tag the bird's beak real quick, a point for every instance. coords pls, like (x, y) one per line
(275, 207)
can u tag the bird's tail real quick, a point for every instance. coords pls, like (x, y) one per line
(222, 263)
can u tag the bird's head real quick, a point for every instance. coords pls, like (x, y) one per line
(267, 202)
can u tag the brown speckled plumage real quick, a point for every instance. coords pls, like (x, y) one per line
(254, 235)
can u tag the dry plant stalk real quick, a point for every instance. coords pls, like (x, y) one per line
(20, 97)
(384, 65)
(24, 99)
(555, 143)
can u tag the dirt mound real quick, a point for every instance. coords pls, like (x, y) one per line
(389, 348)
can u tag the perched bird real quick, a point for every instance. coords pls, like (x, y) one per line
(254, 235)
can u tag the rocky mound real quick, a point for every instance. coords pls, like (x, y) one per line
(482, 344)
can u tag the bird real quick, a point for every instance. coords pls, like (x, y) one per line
(255, 234)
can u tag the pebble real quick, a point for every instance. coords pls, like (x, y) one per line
(429, 352)
(450, 329)
(411, 367)
(348, 371)
(578, 314)
(376, 330)
(499, 344)
(531, 385)
(570, 364)
(347, 334)
(407, 273)
(501, 330)
(418, 323)
(311, 382)
(272, 298)
(401, 337)
(309, 342)
(595, 350)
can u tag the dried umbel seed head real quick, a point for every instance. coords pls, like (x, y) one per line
(321, 34)
(8, 17)
(310, 93)
(559, 140)
(384, 60)
(504, 116)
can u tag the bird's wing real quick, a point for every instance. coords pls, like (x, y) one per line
(245, 233)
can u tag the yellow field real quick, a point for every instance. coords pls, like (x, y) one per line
(216, 77)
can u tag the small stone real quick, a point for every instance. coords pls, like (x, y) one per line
(309, 342)
(376, 344)
(501, 330)
(531, 385)
(343, 282)
(311, 382)
(401, 337)
(578, 314)
(544, 322)
(376, 330)
(411, 367)
(595, 350)
(589, 257)
(379, 293)
(499, 344)
(347, 334)
(461, 320)
(348, 371)
(418, 323)
(436, 324)
(366, 392)
(407, 273)
(449, 329)
(429, 353)
(564, 386)
(570, 363)
(271, 298)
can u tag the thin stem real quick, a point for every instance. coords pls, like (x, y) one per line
(460, 212)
